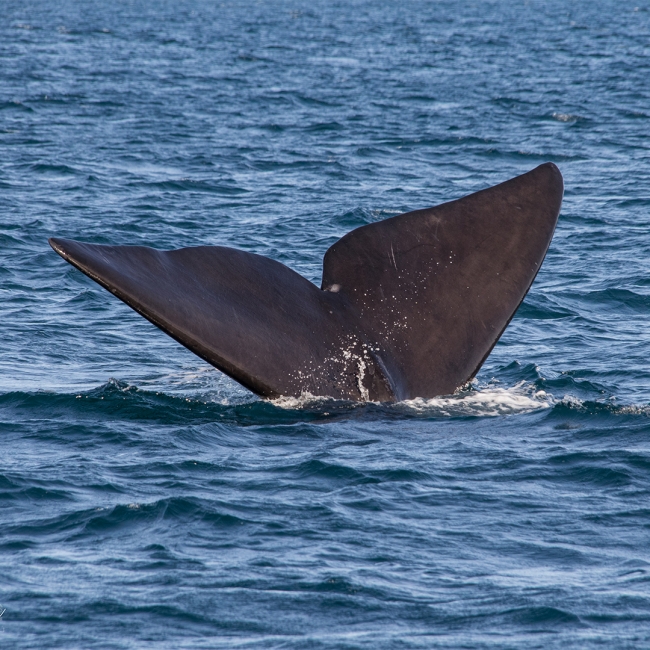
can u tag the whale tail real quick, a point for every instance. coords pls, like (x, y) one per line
(409, 307)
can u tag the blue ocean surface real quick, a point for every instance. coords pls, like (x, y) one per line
(148, 501)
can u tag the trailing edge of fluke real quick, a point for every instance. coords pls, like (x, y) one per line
(409, 307)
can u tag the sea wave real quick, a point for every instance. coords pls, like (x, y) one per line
(187, 397)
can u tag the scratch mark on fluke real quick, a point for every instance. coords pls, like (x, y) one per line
(372, 332)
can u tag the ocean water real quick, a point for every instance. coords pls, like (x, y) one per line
(148, 501)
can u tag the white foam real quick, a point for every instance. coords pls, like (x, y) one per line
(487, 401)
(294, 403)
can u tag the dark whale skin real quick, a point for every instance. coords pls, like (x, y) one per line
(409, 307)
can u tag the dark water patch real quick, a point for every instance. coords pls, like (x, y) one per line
(544, 617)
(597, 476)
(15, 105)
(638, 516)
(459, 140)
(87, 298)
(324, 127)
(578, 387)
(617, 300)
(535, 157)
(56, 100)
(55, 170)
(34, 494)
(543, 307)
(569, 407)
(16, 546)
(328, 472)
(10, 241)
(120, 519)
(189, 185)
(515, 372)
(358, 217)
(115, 399)
(302, 165)
(123, 401)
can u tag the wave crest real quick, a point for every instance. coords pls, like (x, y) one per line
(489, 401)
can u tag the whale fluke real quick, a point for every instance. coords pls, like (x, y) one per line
(409, 307)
